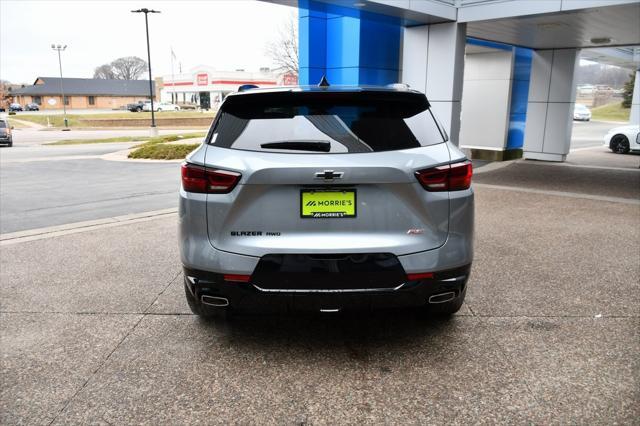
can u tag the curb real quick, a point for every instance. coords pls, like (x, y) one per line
(78, 227)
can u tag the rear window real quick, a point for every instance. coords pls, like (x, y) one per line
(326, 122)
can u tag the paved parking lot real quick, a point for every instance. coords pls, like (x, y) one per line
(95, 328)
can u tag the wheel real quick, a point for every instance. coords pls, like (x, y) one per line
(177, 109)
(210, 313)
(619, 144)
(448, 308)
(159, 109)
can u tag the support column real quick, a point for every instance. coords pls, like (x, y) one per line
(433, 63)
(552, 94)
(634, 117)
(349, 46)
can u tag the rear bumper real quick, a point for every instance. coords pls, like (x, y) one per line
(250, 297)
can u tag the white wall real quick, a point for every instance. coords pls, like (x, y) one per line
(486, 97)
(433, 63)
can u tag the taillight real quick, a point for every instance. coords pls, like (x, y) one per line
(451, 177)
(208, 181)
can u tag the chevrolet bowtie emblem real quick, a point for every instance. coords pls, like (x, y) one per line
(329, 175)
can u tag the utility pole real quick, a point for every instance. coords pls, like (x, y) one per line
(61, 48)
(154, 130)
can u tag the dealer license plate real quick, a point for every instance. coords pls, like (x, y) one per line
(317, 204)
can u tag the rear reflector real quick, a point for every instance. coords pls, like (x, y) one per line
(237, 278)
(451, 177)
(208, 181)
(420, 276)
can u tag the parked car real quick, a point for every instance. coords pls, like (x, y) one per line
(15, 107)
(32, 107)
(581, 113)
(136, 107)
(623, 139)
(6, 138)
(326, 200)
(162, 106)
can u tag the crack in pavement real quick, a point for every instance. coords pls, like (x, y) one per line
(106, 359)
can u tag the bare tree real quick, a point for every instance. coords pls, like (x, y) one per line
(129, 67)
(105, 72)
(284, 51)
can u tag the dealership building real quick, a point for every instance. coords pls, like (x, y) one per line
(206, 87)
(500, 74)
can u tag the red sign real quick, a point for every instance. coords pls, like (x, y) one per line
(203, 79)
(290, 79)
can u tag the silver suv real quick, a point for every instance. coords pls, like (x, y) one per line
(326, 199)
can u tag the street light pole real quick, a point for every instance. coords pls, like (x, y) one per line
(146, 23)
(61, 48)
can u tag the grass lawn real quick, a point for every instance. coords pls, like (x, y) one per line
(75, 120)
(149, 140)
(163, 151)
(611, 112)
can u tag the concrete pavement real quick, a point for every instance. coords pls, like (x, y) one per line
(47, 185)
(95, 328)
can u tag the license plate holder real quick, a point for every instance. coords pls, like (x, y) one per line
(328, 203)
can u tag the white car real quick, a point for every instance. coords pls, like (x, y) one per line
(161, 106)
(623, 139)
(581, 113)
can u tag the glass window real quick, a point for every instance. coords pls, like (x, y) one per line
(66, 100)
(330, 122)
(37, 100)
(91, 100)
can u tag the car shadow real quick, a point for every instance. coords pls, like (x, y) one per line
(358, 332)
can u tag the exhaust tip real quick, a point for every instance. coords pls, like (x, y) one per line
(442, 297)
(214, 301)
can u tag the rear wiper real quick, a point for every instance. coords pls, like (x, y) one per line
(316, 146)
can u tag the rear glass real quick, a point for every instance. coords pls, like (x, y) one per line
(326, 122)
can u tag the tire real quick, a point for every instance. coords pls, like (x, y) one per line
(177, 109)
(159, 110)
(447, 309)
(619, 144)
(209, 313)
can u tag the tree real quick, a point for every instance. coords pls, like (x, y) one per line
(127, 68)
(104, 71)
(284, 51)
(627, 95)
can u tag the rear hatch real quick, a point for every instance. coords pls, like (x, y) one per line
(327, 173)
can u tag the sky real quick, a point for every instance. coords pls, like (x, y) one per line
(223, 34)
